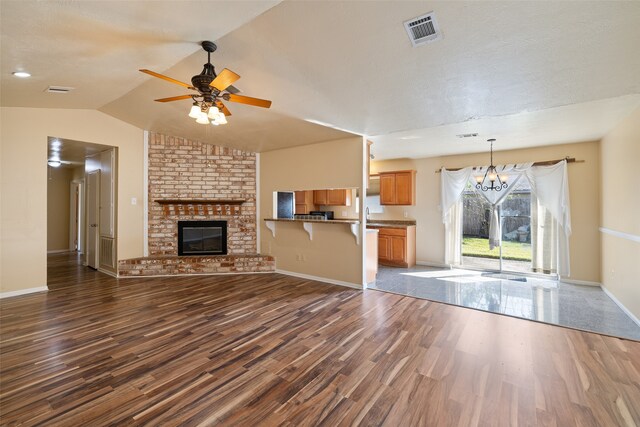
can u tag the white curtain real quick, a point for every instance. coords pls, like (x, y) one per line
(452, 185)
(453, 235)
(544, 239)
(549, 184)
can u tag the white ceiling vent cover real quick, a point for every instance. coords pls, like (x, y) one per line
(423, 29)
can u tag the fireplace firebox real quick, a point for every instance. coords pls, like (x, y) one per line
(202, 238)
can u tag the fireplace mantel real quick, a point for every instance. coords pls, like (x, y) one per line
(200, 206)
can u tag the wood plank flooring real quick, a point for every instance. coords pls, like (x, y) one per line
(275, 350)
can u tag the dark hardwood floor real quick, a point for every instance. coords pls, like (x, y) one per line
(276, 350)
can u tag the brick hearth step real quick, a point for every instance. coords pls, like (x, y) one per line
(161, 265)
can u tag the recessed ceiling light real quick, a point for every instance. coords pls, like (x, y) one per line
(21, 74)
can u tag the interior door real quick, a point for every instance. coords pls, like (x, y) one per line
(93, 218)
(74, 219)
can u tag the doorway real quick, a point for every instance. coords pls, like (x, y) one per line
(82, 202)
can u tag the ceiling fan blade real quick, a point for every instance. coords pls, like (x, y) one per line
(224, 109)
(224, 79)
(169, 79)
(174, 98)
(257, 102)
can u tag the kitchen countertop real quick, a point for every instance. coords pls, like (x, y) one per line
(395, 223)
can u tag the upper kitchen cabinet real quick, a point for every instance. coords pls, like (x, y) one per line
(338, 197)
(398, 187)
(304, 202)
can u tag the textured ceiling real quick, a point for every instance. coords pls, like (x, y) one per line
(97, 47)
(528, 73)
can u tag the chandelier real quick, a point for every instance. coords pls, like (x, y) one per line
(495, 181)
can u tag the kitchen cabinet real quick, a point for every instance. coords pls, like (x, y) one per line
(304, 202)
(397, 246)
(338, 197)
(398, 188)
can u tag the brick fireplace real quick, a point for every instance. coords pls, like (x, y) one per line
(193, 181)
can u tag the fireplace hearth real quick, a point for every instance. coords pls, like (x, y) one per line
(202, 238)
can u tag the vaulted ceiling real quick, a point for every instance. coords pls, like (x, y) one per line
(527, 73)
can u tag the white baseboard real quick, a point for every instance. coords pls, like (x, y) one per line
(320, 279)
(23, 292)
(433, 264)
(622, 307)
(578, 282)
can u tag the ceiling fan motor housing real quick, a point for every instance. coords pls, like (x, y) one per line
(202, 80)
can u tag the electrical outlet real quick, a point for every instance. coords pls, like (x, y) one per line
(344, 213)
(134, 201)
(406, 214)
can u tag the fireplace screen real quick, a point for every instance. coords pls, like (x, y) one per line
(202, 237)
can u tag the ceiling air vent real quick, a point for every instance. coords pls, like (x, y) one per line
(58, 89)
(423, 29)
(467, 135)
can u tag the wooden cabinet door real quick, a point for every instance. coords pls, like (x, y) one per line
(387, 189)
(341, 197)
(404, 188)
(320, 197)
(301, 209)
(300, 197)
(384, 248)
(336, 197)
(398, 251)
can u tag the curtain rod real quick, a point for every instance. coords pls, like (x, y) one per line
(544, 163)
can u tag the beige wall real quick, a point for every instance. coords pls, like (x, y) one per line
(620, 153)
(58, 185)
(333, 253)
(583, 188)
(23, 220)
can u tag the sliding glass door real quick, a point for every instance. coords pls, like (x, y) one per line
(515, 252)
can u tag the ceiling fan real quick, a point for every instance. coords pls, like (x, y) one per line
(212, 89)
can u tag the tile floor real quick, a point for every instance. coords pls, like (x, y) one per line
(581, 307)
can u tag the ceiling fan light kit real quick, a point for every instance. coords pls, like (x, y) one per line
(212, 89)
